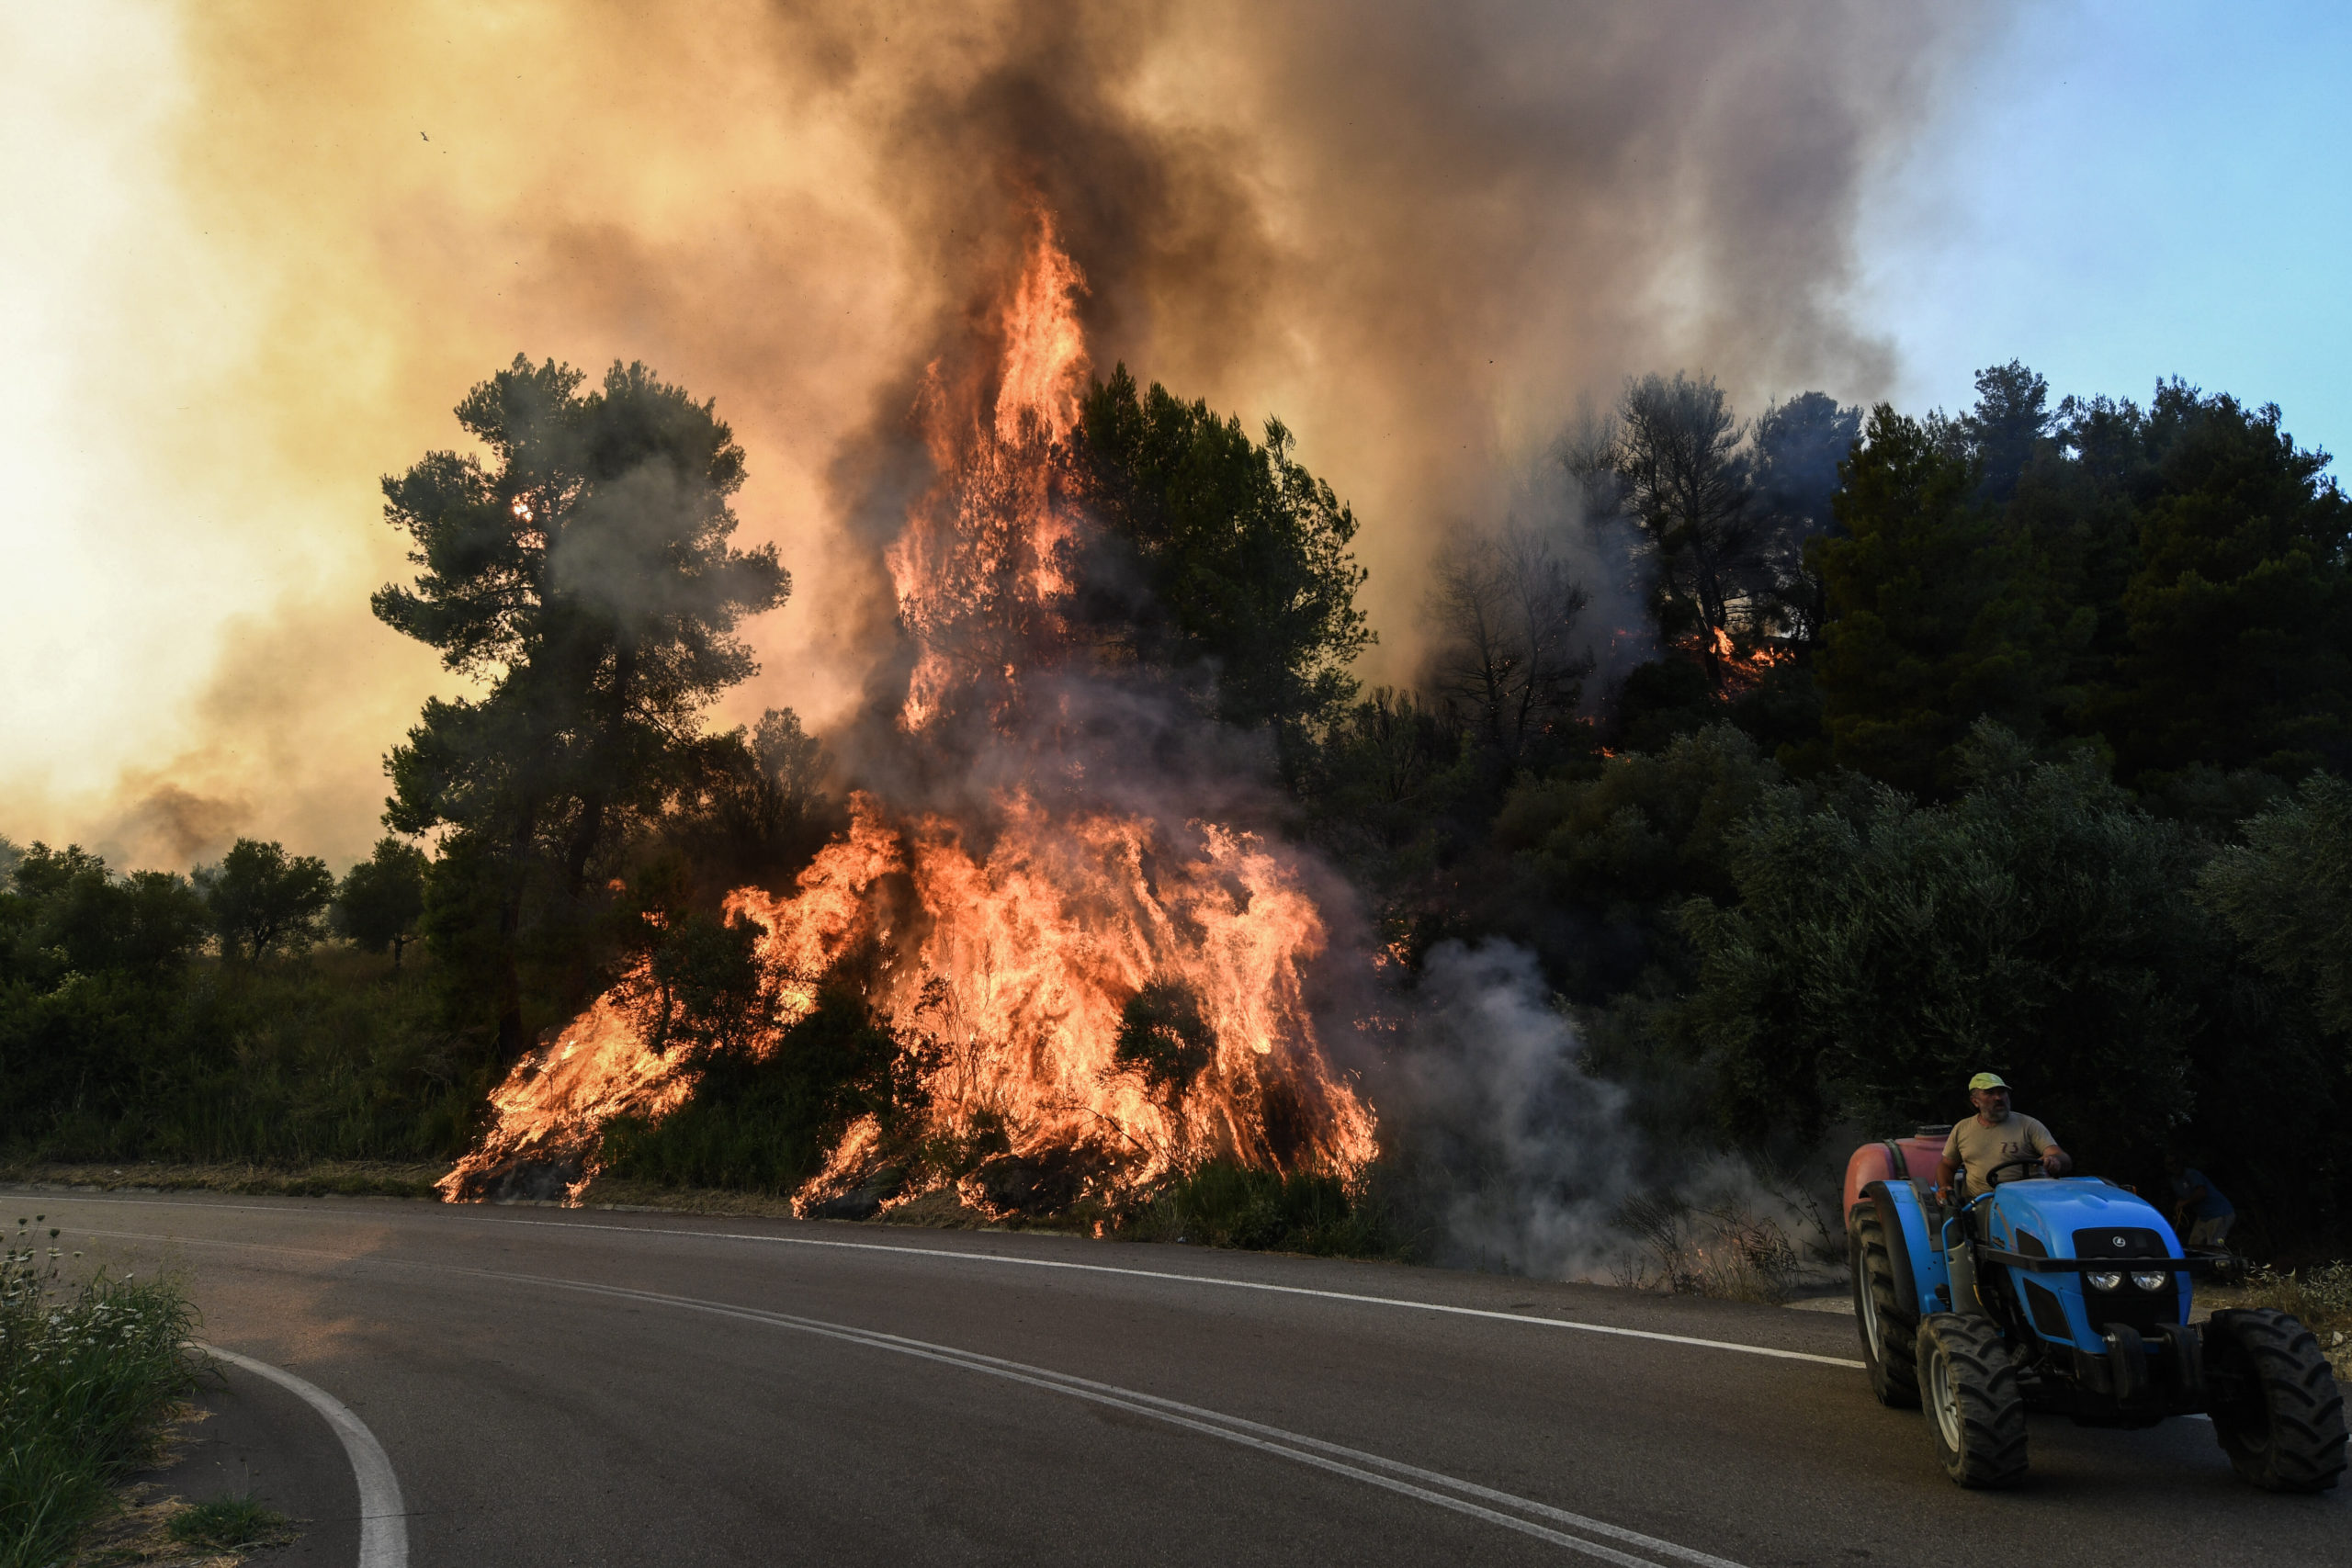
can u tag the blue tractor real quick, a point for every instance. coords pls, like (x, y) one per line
(2069, 1296)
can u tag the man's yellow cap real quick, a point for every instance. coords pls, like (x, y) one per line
(1985, 1081)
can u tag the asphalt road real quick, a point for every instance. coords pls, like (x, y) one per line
(557, 1387)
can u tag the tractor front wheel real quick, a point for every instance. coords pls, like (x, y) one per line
(1890, 1344)
(1976, 1409)
(2276, 1410)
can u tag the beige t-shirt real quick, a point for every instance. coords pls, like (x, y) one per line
(1980, 1148)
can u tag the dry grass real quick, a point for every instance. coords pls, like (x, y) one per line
(1724, 1251)
(155, 1532)
(618, 1192)
(2320, 1297)
(141, 1534)
(942, 1210)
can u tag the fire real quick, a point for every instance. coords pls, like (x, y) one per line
(982, 566)
(1012, 937)
(1743, 674)
(1045, 349)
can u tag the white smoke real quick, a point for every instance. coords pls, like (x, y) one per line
(1524, 1159)
(1528, 1165)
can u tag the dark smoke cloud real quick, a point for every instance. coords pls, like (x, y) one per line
(1419, 233)
(173, 827)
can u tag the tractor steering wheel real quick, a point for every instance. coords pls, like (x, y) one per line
(1992, 1173)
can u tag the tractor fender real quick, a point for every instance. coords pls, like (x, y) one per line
(1921, 1283)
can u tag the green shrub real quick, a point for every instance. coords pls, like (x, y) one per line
(2040, 927)
(2286, 894)
(763, 1123)
(332, 1057)
(1223, 1203)
(88, 1374)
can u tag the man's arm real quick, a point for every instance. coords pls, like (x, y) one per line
(2056, 1161)
(1946, 1169)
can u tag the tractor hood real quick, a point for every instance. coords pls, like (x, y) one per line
(2079, 1216)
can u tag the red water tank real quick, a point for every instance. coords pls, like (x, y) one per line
(1913, 1159)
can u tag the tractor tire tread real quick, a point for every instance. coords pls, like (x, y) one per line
(1991, 1405)
(2302, 1449)
(1895, 1367)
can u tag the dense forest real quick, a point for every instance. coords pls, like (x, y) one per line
(2014, 740)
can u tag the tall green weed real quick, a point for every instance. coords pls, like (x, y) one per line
(88, 1375)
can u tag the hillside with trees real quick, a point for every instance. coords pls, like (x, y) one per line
(2015, 738)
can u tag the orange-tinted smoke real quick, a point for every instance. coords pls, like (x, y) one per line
(267, 246)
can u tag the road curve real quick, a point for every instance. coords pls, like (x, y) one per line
(568, 1388)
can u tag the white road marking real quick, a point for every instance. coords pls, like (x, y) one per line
(383, 1522)
(1400, 1478)
(953, 1256)
(1208, 1280)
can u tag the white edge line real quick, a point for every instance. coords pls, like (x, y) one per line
(1210, 1280)
(383, 1522)
(954, 1256)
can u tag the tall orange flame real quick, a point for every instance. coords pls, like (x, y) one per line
(1030, 927)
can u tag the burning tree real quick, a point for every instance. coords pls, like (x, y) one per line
(1091, 971)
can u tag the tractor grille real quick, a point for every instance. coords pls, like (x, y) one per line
(2129, 1305)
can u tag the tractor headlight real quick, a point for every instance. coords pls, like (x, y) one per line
(2151, 1279)
(2103, 1281)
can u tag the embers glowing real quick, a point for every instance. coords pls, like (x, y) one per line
(1742, 674)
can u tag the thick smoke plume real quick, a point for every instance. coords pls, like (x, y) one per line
(1527, 1161)
(279, 242)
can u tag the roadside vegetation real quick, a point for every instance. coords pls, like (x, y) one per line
(2320, 1297)
(1223, 1203)
(2015, 738)
(90, 1375)
(229, 1524)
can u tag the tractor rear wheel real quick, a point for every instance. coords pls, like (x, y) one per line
(1976, 1409)
(1890, 1342)
(2278, 1413)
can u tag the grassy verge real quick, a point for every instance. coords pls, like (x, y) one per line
(89, 1374)
(229, 1524)
(623, 1192)
(351, 1179)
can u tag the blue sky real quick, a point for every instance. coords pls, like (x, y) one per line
(2119, 192)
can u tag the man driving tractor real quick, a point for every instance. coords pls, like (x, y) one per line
(1993, 1138)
